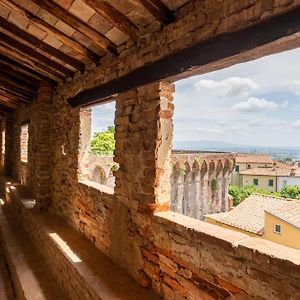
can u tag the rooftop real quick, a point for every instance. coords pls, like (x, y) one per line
(267, 171)
(249, 215)
(253, 158)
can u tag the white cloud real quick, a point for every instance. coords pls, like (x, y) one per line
(255, 104)
(293, 85)
(210, 130)
(296, 124)
(232, 86)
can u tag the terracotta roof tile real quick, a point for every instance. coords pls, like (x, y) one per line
(253, 158)
(249, 215)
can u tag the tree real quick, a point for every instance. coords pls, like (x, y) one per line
(103, 143)
(240, 194)
(291, 191)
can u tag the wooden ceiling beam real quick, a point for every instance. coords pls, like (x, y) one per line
(19, 84)
(9, 71)
(65, 39)
(22, 69)
(28, 63)
(10, 89)
(66, 17)
(24, 49)
(231, 45)
(6, 108)
(11, 95)
(112, 15)
(158, 10)
(8, 102)
(16, 31)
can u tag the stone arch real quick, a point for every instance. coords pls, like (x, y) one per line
(226, 167)
(219, 167)
(99, 175)
(204, 168)
(211, 168)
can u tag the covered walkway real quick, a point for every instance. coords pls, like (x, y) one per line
(64, 237)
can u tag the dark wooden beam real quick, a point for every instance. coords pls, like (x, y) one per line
(26, 60)
(6, 108)
(11, 95)
(8, 102)
(13, 90)
(70, 42)
(24, 49)
(9, 71)
(158, 10)
(66, 17)
(16, 31)
(114, 17)
(223, 46)
(18, 84)
(16, 66)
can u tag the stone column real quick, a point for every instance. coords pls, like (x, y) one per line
(40, 163)
(143, 142)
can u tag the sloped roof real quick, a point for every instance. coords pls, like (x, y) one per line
(253, 158)
(249, 215)
(288, 211)
(267, 172)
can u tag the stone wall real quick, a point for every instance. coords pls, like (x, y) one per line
(179, 257)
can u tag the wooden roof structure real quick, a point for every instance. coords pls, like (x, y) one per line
(53, 39)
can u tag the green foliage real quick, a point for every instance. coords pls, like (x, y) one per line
(103, 143)
(214, 186)
(239, 194)
(291, 191)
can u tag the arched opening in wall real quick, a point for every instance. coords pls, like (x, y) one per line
(2, 147)
(99, 175)
(24, 142)
(241, 124)
(97, 145)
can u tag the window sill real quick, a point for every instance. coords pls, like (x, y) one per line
(97, 186)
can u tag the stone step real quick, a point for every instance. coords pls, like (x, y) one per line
(82, 270)
(30, 275)
(6, 288)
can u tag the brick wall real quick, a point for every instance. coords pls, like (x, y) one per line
(179, 257)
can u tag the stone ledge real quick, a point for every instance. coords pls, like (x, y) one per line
(29, 272)
(80, 268)
(97, 186)
(200, 230)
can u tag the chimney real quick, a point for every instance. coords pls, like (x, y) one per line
(274, 168)
(293, 172)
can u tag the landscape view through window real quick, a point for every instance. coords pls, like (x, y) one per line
(236, 152)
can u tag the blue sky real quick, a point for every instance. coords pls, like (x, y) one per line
(255, 103)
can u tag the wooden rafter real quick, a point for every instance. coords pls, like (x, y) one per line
(66, 17)
(114, 17)
(70, 42)
(31, 64)
(11, 89)
(16, 31)
(22, 69)
(19, 84)
(6, 107)
(9, 71)
(5, 101)
(214, 50)
(158, 10)
(13, 95)
(24, 49)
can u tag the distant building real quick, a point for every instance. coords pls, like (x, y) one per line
(273, 218)
(272, 179)
(246, 161)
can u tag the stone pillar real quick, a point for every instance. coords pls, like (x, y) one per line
(40, 164)
(143, 142)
